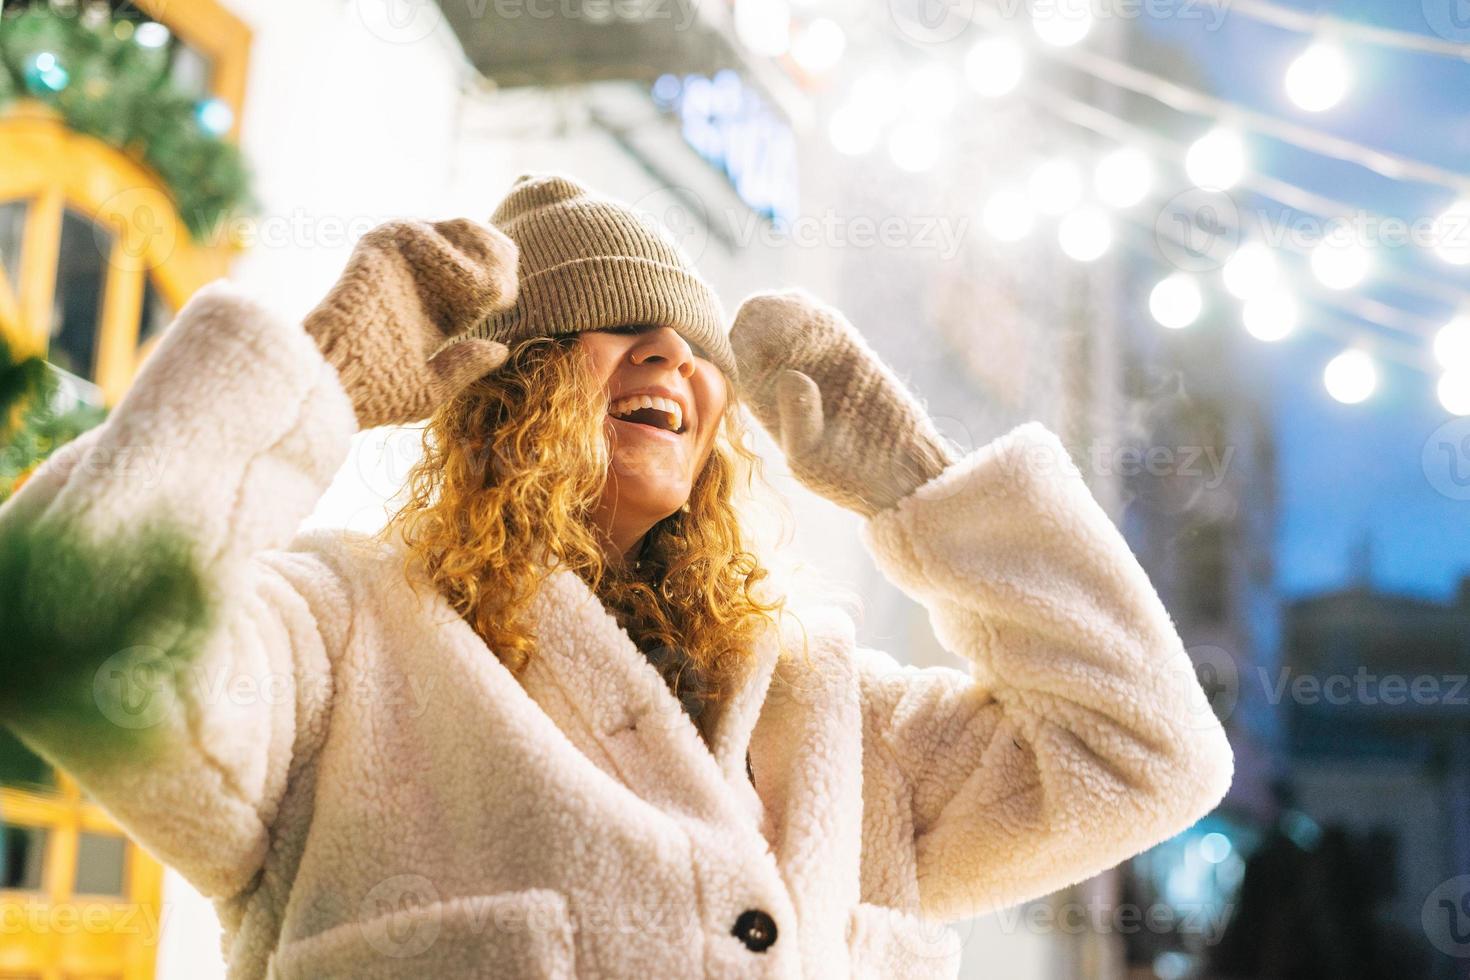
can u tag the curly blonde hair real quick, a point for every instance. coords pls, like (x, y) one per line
(511, 471)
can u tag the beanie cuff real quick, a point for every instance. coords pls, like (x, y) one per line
(611, 290)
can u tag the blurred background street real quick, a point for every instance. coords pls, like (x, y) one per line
(1220, 248)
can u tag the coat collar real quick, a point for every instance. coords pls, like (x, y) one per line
(580, 647)
(797, 702)
(598, 688)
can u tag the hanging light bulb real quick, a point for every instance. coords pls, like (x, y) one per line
(1452, 343)
(1350, 377)
(1454, 391)
(1270, 315)
(1055, 186)
(1176, 302)
(819, 46)
(1341, 263)
(1451, 234)
(1319, 78)
(1252, 270)
(1008, 215)
(1061, 23)
(1217, 160)
(994, 65)
(1085, 234)
(1124, 177)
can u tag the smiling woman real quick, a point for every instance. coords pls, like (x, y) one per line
(592, 744)
(607, 315)
(652, 377)
(645, 516)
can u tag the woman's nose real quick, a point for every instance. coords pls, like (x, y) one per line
(664, 344)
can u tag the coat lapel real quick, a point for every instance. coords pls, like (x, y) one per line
(807, 752)
(604, 694)
(799, 720)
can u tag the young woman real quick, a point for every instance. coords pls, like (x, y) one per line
(555, 721)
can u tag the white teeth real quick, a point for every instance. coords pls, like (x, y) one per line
(623, 406)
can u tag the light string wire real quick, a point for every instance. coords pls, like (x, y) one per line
(1299, 22)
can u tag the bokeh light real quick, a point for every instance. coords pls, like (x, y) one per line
(1055, 186)
(819, 46)
(1008, 215)
(1341, 263)
(1350, 377)
(1452, 344)
(1217, 160)
(1124, 177)
(994, 66)
(1251, 271)
(1086, 234)
(1176, 302)
(1270, 315)
(1319, 78)
(1062, 23)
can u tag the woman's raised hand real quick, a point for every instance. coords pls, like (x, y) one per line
(409, 288)
(850, 429)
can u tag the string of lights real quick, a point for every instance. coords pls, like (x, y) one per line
(1270, 311)
(1328, 26)
(1350, 376)
(1171, 304)
(911, 111)
(1193, 102)
(1219, 161)
(1125, 133)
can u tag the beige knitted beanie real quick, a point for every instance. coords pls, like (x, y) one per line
(587, 261)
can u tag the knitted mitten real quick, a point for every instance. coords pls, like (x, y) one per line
(410, 286)
(850, 429)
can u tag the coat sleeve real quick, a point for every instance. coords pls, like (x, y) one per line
(1078, 736)
(168, 630)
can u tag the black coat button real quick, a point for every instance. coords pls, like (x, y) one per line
(755, 929)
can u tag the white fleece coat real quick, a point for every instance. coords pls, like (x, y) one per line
(365, 791)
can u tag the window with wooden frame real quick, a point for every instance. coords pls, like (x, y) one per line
(77, 898)
(94, 262)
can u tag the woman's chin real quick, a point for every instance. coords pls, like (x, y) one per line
(661, 504)
(652, 476)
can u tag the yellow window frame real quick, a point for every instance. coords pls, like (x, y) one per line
(57, 933)
(53, 168)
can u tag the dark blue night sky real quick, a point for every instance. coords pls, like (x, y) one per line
(1350, 470)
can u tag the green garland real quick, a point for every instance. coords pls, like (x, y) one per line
(119, 91)
(30, 428)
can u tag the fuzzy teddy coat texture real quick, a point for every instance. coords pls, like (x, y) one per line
(365, 791)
